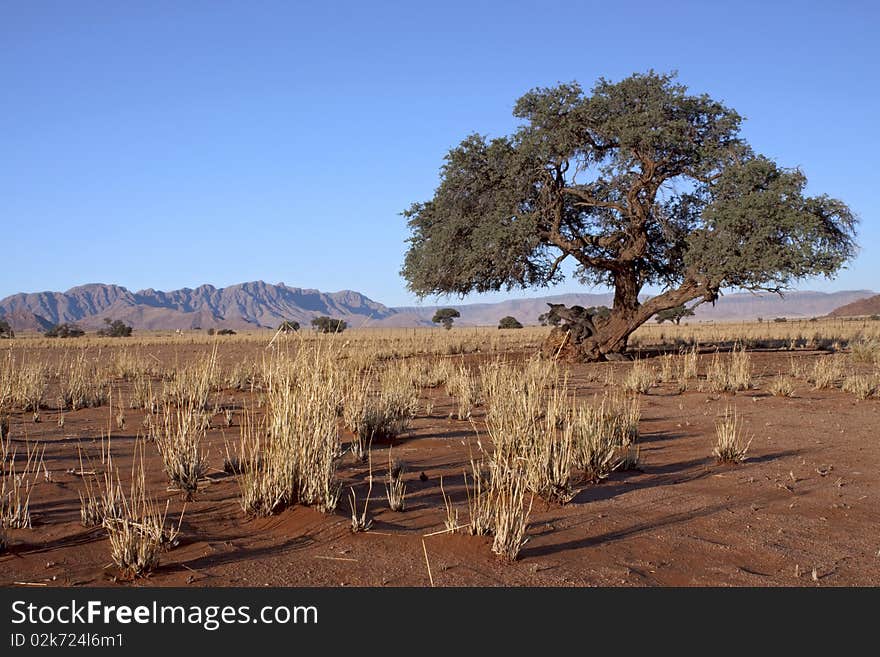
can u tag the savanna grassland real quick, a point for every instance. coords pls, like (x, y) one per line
(722, 454)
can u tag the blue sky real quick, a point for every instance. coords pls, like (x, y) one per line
(169, 144)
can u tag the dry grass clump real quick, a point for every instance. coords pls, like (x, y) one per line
(395, 486)
(527, 419)
(826, 372)
(23, 385)
(104, 499)
(191, 384)
(782, 386)
(381, 415)
(594, 440)
(82, 384)
(464, 386)
(865, 351)
(640, 378)
(17, 483)
(142, 395)
(511, 513)
(293, 458)
(138, 532)
(729, 441)
(862, 386)
(496, 503)
(730, 374)
(179, 440)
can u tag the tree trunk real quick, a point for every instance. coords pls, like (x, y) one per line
(609, 341)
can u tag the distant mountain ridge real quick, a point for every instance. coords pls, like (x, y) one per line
(263, 305)
(860, 308)
(246, 305)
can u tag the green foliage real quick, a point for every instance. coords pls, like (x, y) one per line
(115, 329)
(329, 325)
(640, 183)
(509, 322)
(288, 326)
(674, 315)
(445, 316)
(780, 320)
(6, 330)
(64, 331)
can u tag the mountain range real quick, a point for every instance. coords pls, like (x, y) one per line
(263, 305)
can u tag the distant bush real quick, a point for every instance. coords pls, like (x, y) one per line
(6, 330)
(779, 320)
(65, 331)
(445, 316)
(329, 325)
(225, 331)
(288, 327)
(210, 331)
(509, 323)
(115, 329)
(875, 318)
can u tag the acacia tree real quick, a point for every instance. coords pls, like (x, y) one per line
(640, 184)
(674, 315)
(445, 316)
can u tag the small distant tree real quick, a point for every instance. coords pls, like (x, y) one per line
(329, 325)
(115, 329)
(674, 315)
(509, 322)
(6, 330)
(210, 331)
(780, 320)
(445, 316)
(288, 327)
(226, 331)
(65, 331)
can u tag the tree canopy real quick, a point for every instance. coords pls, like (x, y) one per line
(65, 331)
(509, 322)
(445, 316)
(115, 329)
(329, 325)
(639, 183)
(674, 315)
(6, 330)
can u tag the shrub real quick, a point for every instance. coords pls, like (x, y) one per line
(288, 326)
(445, 316)
(64, 331)
(115, 329)
(326, 324)
(6, 330)
(509, 323)
(225, 331)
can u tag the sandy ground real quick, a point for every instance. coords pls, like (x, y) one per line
(803, 510)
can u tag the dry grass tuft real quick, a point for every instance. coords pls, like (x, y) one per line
(395, 486)
(729, 444)
(782, 386)
(138, 533)
(862, 386)
(179, 441)
(16, 486)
